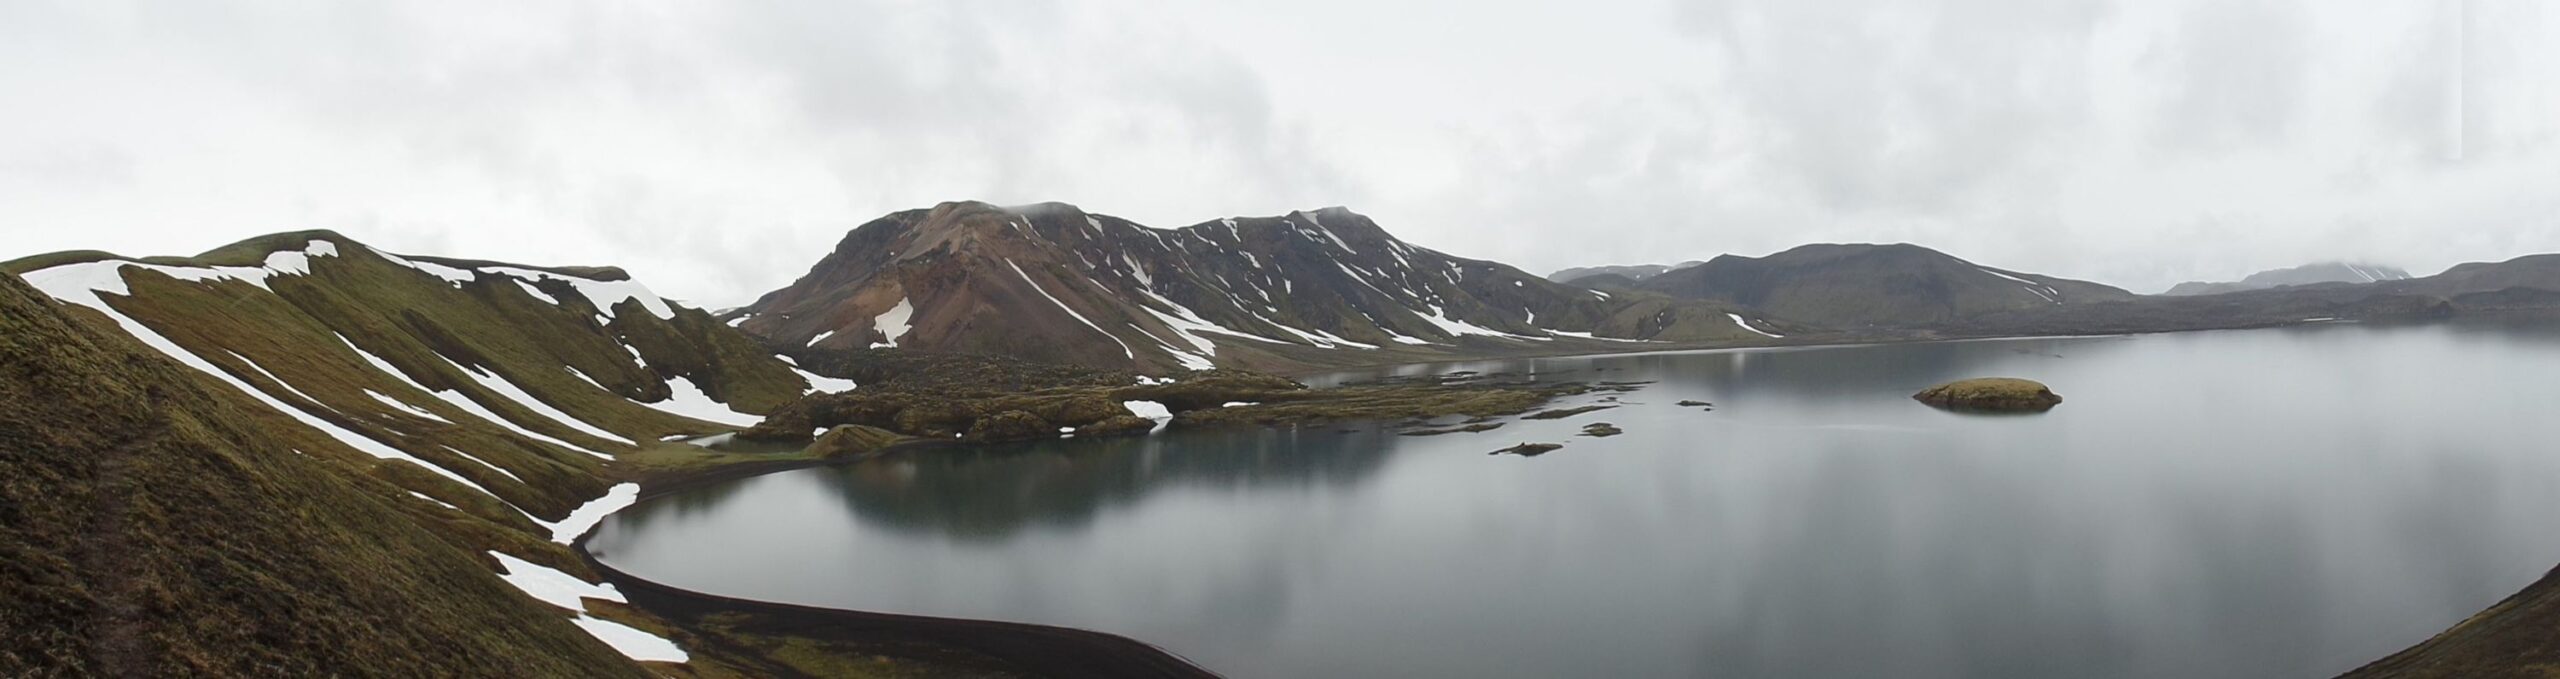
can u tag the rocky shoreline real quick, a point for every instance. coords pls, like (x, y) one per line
(908, 417)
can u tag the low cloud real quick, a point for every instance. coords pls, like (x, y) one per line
(716, 150)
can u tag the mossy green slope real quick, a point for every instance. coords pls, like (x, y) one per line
(154, 522)
(457, 408)
(385, 347)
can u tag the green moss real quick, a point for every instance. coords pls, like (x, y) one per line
(22, 265)
(1994, 394)
(159, 524)
(320, 614)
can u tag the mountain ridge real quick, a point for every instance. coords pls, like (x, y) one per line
(1052, 282)
(1860, 285)
(1631, 272)
(2308, 274)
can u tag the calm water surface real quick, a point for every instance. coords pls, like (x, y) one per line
(2275, 503)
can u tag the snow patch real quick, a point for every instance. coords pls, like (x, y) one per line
(1053, 299)
(78, 284)
(404, 406)
(484, 463)
(452, 275)
(602, 294)
(553, 587)
(687, 399)
(816, 381)
(1590, 336)
(549, 585)
(108, 275)
(1746, 325)
(2039, 289)
(892, 324)
(463, 401)
(586, 516)
(511, 392)
(1150, 410)
(1320, 230)
(1455, 327)
(537, 293)
(631, 642)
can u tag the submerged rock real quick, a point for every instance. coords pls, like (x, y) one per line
(1695, 404)
(1601, 430)
(1561, 413)
(1464, 429)
(1529, 449)
(1993, 394)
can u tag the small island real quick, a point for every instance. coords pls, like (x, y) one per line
(1992, 394)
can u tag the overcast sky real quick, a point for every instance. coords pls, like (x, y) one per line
(716, 149)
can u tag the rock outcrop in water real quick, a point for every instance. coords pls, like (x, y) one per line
(1529, 449)
(1994, 394)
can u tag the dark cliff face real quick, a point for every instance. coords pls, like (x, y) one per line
(1051, 282)
(1861, 286)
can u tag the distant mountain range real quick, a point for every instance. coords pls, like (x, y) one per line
(2309, 274)
(1866, 286)
(1630, 273)
(1052, 282)
(299, 430)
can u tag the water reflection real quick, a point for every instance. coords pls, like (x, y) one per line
(2264, 503)
(992, 493)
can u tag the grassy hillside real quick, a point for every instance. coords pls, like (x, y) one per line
(158, 523)
(510, 383)
(365, 436)
(300, 456)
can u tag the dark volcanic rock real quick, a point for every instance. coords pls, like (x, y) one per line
(1211, 389)
(1119, 425)
(1529, 449)
(1995, 394)
(1467, 429)
(1561, 413)
(1601, 430)
(936, 417)
(853, 439)
(1694, 404)
(1011, 425)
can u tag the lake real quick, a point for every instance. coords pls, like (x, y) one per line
(2269, 503)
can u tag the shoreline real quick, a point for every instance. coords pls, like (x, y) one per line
(1831, 341)
(1045, 650)
(1022, 648)
(1025, 648)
